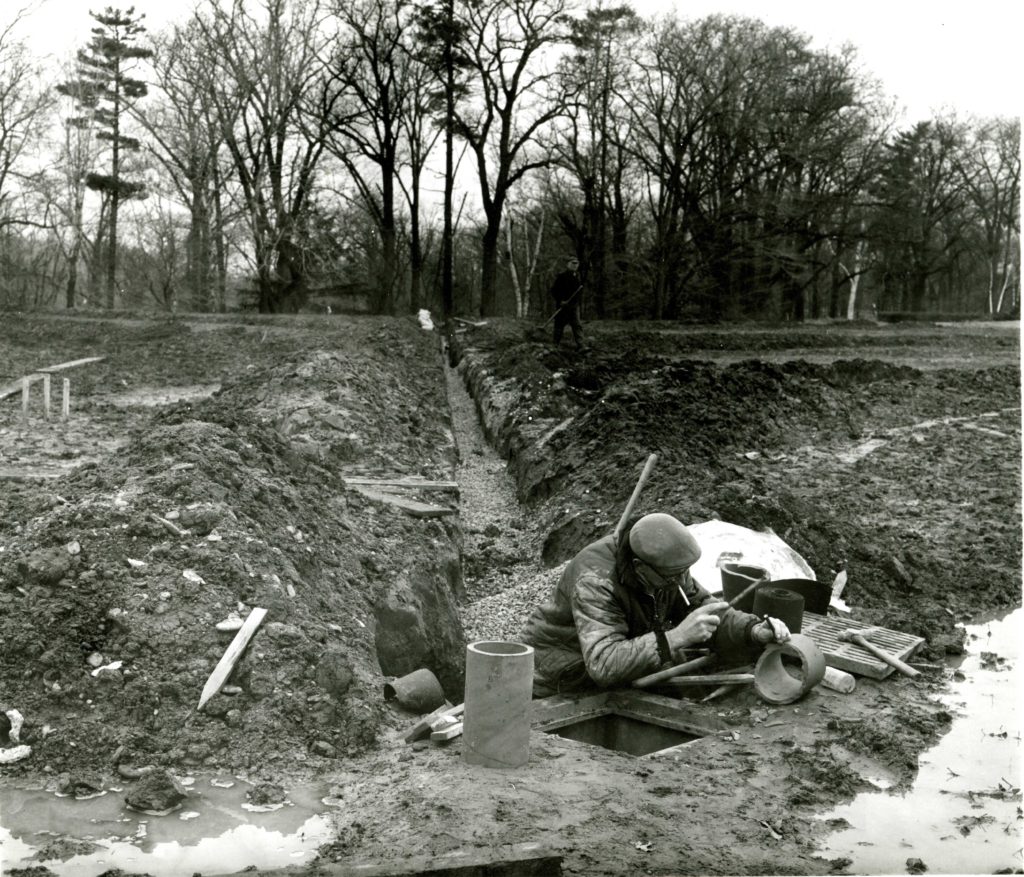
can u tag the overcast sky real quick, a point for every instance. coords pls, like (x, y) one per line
(929, 57)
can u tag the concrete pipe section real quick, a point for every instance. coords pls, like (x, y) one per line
(499, 691)
(779, 681)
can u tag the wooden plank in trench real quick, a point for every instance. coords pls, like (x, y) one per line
(410, 506)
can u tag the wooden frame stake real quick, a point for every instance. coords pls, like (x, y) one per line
(46, 396)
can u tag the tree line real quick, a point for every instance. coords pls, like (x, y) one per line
(451, 154)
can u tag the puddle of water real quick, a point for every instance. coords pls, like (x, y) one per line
(210, 833)
(960, 816)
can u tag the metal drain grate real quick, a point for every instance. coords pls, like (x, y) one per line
(851, 657)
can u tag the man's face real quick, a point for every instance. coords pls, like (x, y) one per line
(660, 579)
(573, 264)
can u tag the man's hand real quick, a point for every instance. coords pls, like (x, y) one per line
(698, 627)
(770, 630)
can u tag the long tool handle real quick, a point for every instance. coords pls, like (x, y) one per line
(905, 669)
(564, 305)
(713, 679)
(654, 678)
(628, 511)
(746, 590)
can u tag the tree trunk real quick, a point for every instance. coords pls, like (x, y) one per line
(511, 256)
(219, 245)
(489, 268)
(72, 282)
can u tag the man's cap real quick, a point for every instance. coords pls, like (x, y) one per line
(664, 543)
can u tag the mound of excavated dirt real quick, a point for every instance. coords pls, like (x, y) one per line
(209, 509)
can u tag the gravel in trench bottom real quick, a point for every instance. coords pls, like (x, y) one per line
(501, 567)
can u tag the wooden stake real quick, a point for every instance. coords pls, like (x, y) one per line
(46, 396)
(25, 384)
(65, 407)
(234, 651)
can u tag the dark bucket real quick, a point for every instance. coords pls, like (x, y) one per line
(736, 577)
(817, 595)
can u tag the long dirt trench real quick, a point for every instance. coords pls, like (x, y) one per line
(501, 548)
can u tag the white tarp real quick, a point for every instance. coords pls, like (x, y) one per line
(741, 545)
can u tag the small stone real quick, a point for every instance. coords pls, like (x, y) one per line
(156, 790)
(230, 624)
(266, 793)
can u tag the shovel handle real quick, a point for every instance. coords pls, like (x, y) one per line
(628, 511)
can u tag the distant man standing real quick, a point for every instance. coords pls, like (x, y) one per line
(566, 290)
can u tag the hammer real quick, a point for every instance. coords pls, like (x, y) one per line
(860, 638)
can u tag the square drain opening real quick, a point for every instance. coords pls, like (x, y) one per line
(623, 733)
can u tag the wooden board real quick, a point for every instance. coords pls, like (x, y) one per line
(58, 368)
(227, 662)
(410, 506)
(851, 657)
(422, 728)
(401, 482)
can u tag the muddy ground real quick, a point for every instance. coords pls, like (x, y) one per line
(202, 473)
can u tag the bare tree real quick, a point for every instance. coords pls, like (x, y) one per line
(514, 96)
(991, 172)
(530, 255)
(591, 148)
(74, 150)
(420, 134)
(266, 75)
(185, 139)
(24, 108)
(370, 76)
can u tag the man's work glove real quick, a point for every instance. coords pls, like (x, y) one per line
(771, 630)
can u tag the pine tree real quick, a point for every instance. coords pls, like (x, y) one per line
(105, 92)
